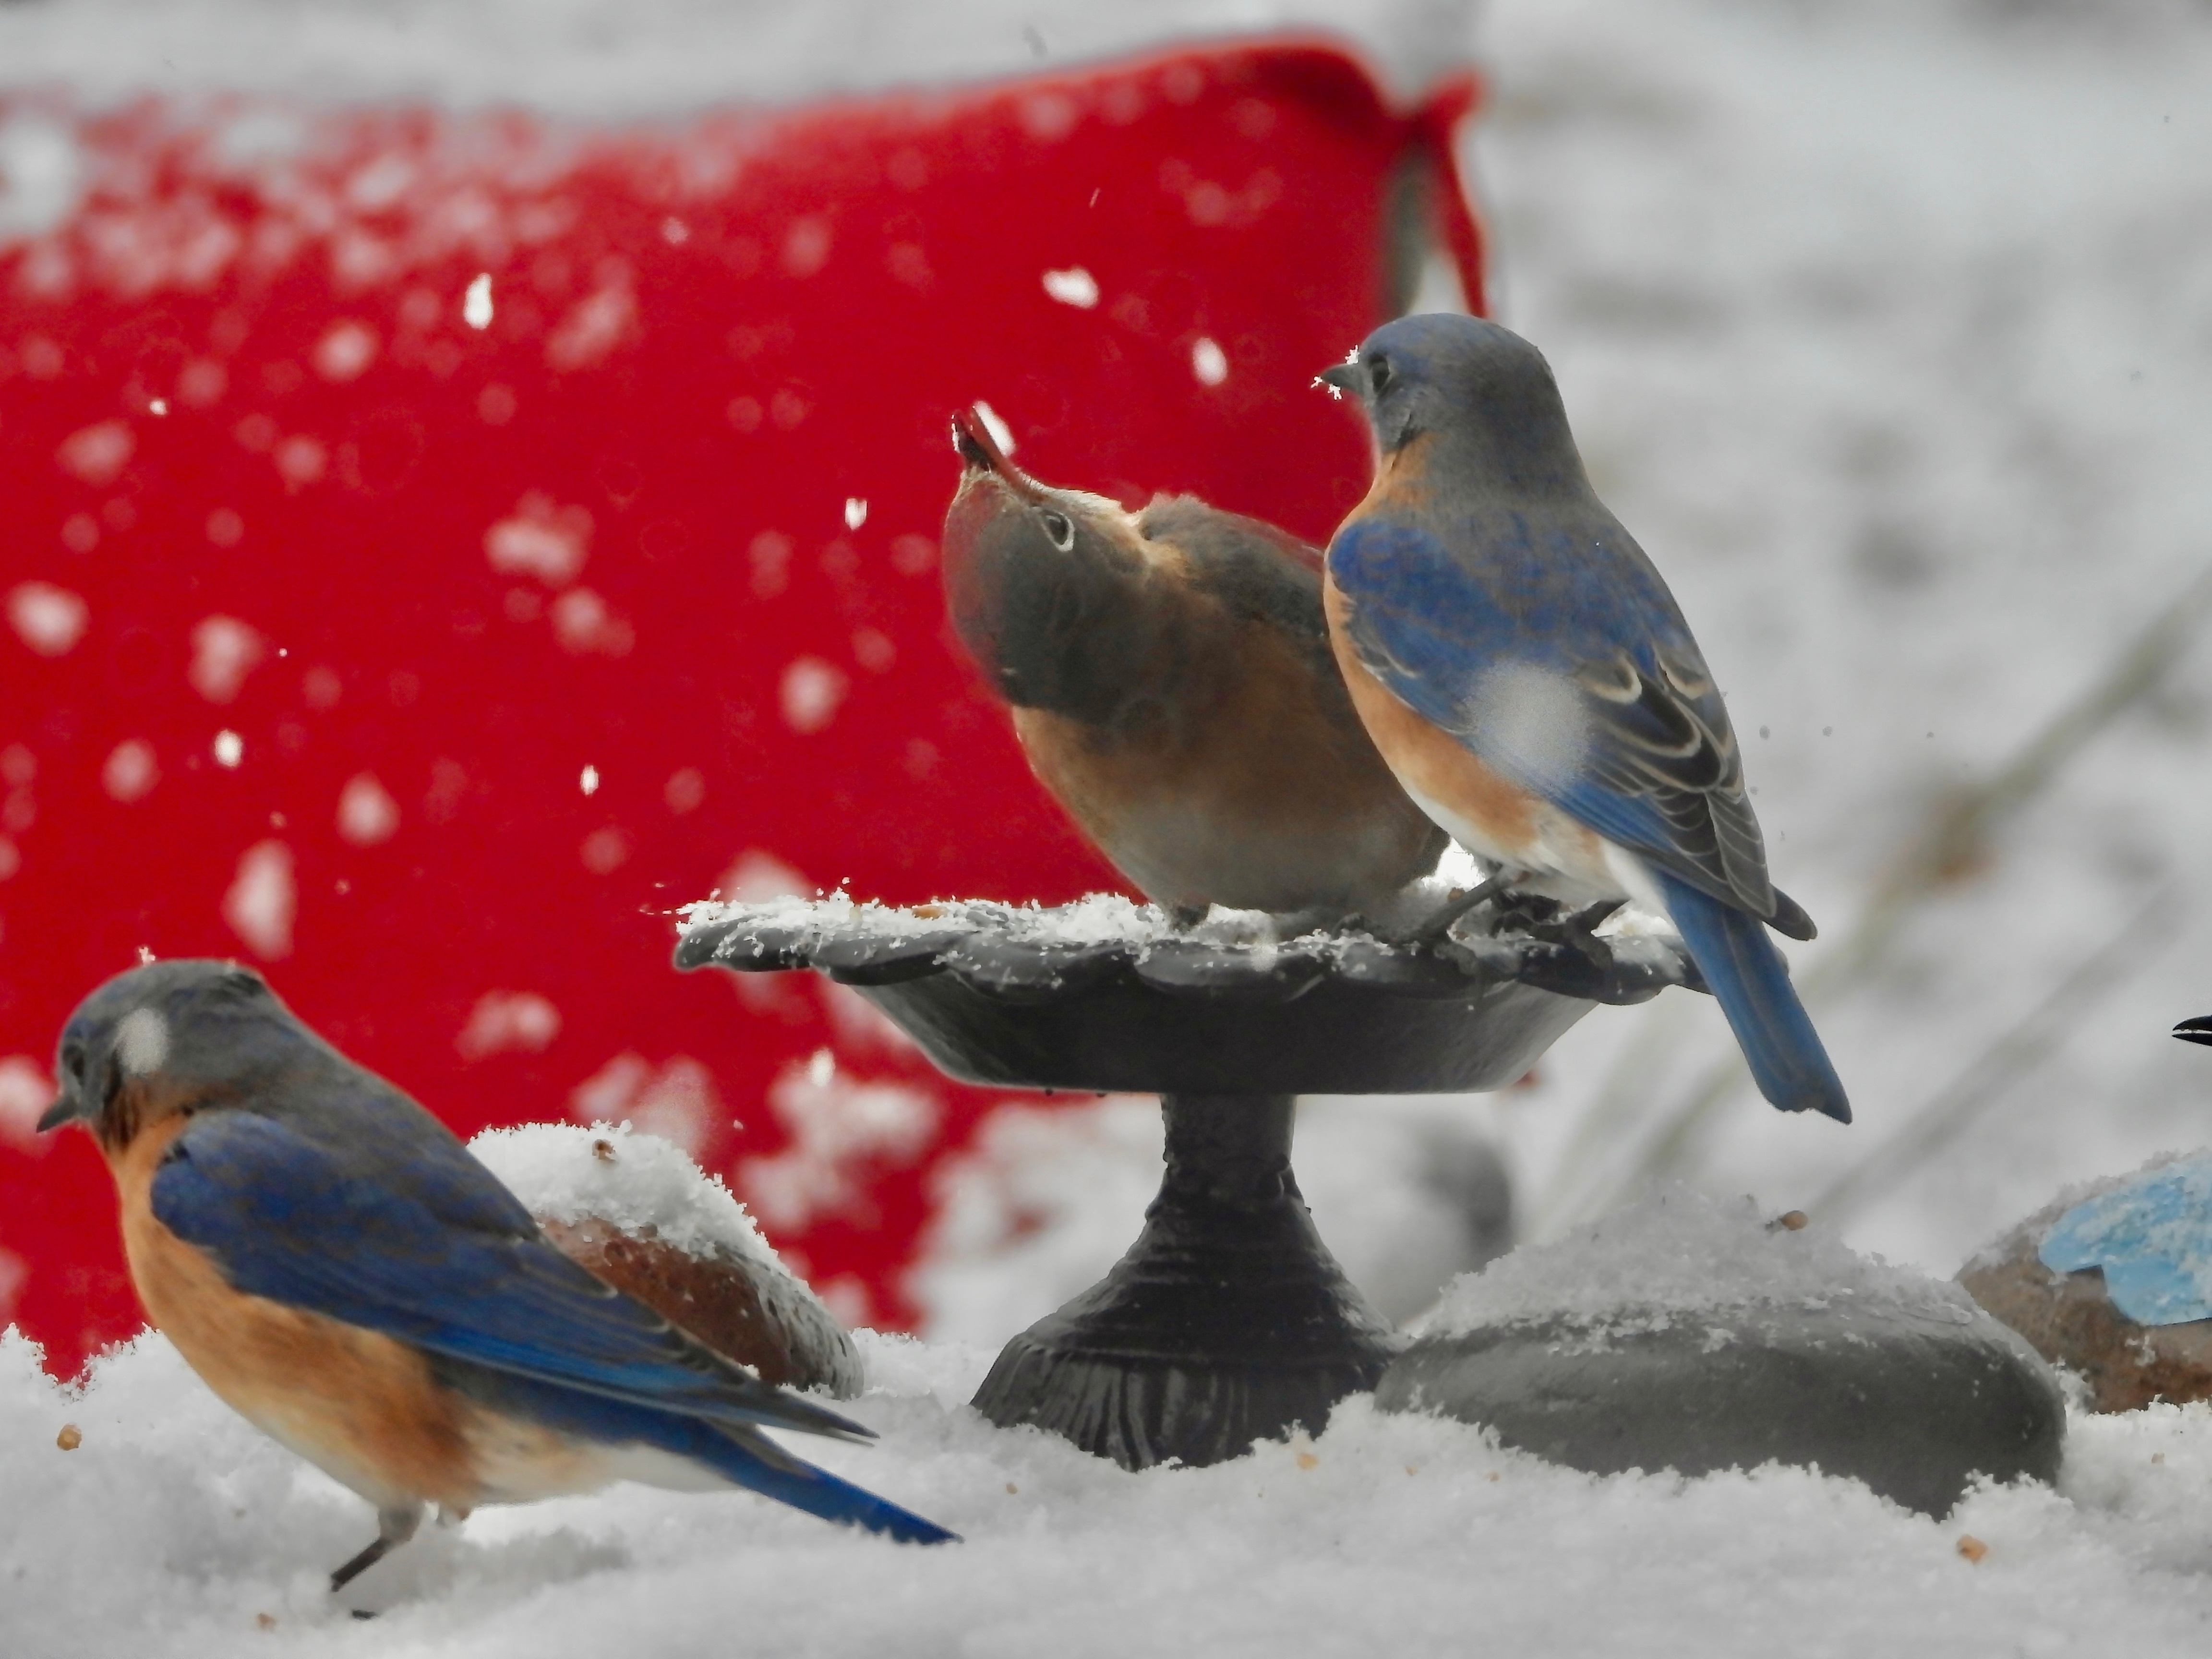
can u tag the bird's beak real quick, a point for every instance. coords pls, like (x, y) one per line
(2198, 1030)
(980, 453)
(1345, 377)
(67, 1107)
(978, 450)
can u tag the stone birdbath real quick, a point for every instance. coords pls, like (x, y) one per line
(1228, 1321)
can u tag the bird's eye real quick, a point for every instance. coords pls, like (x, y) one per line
(1378, 374)
(1060, 529)
(73, 1063)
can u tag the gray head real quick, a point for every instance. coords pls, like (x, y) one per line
(166, 1038)
(1481, 393)
(1060, 597)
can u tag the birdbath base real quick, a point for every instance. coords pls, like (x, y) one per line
(1228, 1323)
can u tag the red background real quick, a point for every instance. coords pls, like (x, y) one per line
(705, 338)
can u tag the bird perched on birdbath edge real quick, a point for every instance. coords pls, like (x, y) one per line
(1172, 686)
(1527, 674)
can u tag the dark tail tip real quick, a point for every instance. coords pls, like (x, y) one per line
(1834, 1106)
(911, 1528)
(1790, 919)
(2198, 1030)
(857, 1507)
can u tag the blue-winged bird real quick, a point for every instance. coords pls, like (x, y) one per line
(335, 1266)
(1529, 677)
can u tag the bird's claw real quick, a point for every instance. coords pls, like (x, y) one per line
(1436, 927)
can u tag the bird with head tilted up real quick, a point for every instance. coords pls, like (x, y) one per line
(336, 1267)
(1171, 685)
(1531, 681)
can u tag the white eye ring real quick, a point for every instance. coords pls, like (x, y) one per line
(1062, 530)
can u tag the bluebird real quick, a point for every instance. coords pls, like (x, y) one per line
(1172, 686)
(1527, 674)
(340, 1270)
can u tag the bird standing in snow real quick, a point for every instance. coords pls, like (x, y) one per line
(1172, 683)
(338, 1268)
(1529, 677)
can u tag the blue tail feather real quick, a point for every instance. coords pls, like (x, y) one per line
(1750, 982)
(794, 1481)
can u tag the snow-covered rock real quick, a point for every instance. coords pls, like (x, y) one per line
(637, 1211)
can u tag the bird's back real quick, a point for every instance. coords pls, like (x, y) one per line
(1556, 575)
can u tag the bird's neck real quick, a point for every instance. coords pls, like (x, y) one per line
(1524, 453)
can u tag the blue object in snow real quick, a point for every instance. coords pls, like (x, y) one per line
(2152, 1237)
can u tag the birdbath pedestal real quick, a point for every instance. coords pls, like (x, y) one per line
(1228, 1321)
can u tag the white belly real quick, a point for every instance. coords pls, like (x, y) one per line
(1556, 860)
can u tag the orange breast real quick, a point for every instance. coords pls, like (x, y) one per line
(1482, 810)
(361, 1407)
(1254, 794)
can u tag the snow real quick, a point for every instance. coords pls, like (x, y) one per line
(130, 771)
(50, 620)
(262, 901)
(841, 1130)
(1676, 1255)
(640, 1184)
(676, 1101)
(504, 1022)
(1096, 919)
(1111, 919)
(25, 1094)
(174, 1529)
(1887, 328)
(1073, 287)
(368, 816)
(224, 651)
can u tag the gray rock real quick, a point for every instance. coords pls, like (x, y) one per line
(1912, 1400)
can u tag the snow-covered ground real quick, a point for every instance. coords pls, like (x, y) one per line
(1887, 327)
(169, 1527)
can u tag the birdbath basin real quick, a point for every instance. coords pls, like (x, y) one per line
(1228, 1321)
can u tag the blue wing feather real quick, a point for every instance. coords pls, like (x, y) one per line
(1655, 773)
(286, 1217)
(1429, 626)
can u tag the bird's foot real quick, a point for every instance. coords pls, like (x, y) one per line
(1435, 927)
(394, 1527)
(1578, 928)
